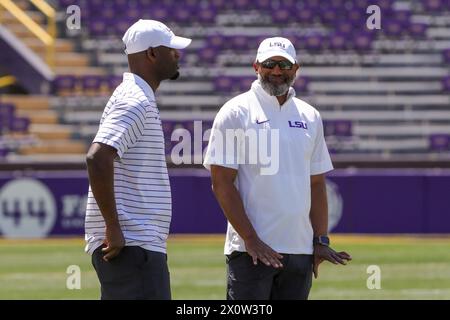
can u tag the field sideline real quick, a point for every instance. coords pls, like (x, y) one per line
(412, 267)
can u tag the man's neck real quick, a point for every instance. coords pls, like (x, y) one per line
(151, 81)
(282, 99)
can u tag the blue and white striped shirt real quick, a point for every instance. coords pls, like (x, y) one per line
(131, 124)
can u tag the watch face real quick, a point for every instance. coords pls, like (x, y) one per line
(324, 240)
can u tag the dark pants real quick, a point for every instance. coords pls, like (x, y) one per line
(135, 274)
(249, 282)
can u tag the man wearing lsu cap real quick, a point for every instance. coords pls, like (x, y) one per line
(280, 219)
(129, 202)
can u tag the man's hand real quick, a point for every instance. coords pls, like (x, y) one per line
(114, 242)
(322, 253)
(259, 250)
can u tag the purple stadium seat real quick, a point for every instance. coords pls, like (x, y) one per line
(160, 13)
(98, 27)
(439, 142)
(219, 4)
(94, 3)
(446, 84)
(183, 14)
(385, 5)
(315, 42)
(92, 84)
(20, 125)
(7, 114)
(446, 55)
(262, 5)
(216, 41)
(282, 15)
(434, 5)
(301, 85)
(189, 3)
(121, 7)
(109, 12)
(245, 83)
(392, 28)
(343, 128)
(362, 4)
(207, 15)
(241, 4)
(3, 151)
(208, 54)
(357, 17)
(329, 16)
(126, 4)
(224, 84)
(65, 85)
(67, 3)
(402, 16)
(340, 128)
(123, 24)
(418, 30)
(239, 42)
(114, 81)
(254, 41)
(333, 4)
(7, 109)
(305, 15)
(337, 41)
(328, 128)
(344, 27)
(133, 14)
(362, 41)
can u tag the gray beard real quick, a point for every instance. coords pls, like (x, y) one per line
(275, 90)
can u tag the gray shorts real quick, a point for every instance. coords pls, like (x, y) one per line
(135, 274)
(245, 281)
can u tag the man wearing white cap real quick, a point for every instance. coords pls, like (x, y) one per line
(279, 217)
(129, 202)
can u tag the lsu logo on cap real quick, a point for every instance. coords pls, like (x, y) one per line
(277, 44)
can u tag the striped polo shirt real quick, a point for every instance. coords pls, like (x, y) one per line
(131, 124)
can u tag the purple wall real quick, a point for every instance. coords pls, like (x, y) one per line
(361, 201)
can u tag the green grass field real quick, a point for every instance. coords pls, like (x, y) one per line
(411, 268)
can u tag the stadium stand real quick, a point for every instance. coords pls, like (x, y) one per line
(380, 92)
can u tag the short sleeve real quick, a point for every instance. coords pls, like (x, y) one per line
(122, 127)
(223, 146)
(320, 159)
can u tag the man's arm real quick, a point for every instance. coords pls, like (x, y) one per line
(319, 222)
(319, 205)
(231, 203)
(100, 165)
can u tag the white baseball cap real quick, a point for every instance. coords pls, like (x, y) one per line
(276, 46)
(151, 33)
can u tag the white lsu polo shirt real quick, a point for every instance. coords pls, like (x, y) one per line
(277, 204)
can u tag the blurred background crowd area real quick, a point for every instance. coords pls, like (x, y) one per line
(384, 94)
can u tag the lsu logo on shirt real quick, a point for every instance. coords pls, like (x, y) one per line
(298, 124)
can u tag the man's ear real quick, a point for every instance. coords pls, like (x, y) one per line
(256, 67)
(151, 54)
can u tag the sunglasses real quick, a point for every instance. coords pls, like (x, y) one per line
(283, 64)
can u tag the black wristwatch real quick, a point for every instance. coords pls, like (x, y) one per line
(322, 240)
